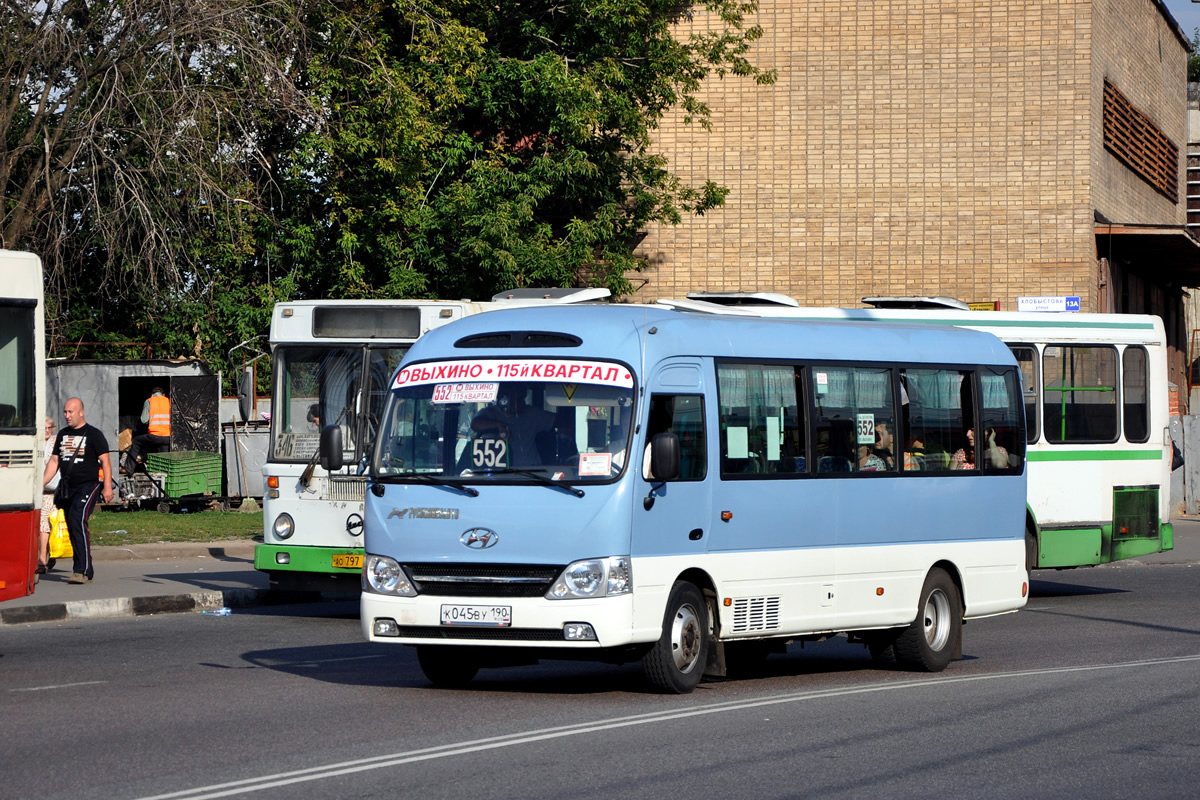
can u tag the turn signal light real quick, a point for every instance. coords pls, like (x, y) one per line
(273, 482)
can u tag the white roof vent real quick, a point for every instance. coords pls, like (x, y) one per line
(745, 298)
(553, 295)
(917, 302)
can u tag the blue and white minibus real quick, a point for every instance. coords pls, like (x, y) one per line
(622, 483)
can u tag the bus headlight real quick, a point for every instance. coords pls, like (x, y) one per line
(284, 526)
(593, 577)
(382, 575)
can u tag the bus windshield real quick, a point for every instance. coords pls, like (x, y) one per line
(17, 334)
(322, 385)
(554, 419)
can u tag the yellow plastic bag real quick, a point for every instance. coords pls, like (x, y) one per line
(60, 540)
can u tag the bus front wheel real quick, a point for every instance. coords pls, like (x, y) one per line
(447, 667)
(675, 664)
(930, 642)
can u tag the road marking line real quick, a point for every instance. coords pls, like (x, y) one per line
(507, 740)
(57, 686)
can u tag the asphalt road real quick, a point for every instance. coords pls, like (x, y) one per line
(1088, 692)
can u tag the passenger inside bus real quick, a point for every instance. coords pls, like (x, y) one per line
(869, 461)
(885, 439)
(994, 456)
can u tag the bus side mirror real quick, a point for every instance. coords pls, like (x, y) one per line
(664, 457)
(664, 464)
(245, 393)
(331, 448)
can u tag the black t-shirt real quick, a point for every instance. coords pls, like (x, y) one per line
(79, 451)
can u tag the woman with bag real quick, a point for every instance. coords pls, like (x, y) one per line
(45, 563)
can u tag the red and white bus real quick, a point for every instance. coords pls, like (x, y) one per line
(22, 408)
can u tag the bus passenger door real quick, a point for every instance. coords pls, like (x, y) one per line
(676, 524)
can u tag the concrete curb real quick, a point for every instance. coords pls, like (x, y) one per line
(134, 606)
(143, 552)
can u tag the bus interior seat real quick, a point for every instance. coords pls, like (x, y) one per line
(833, 464)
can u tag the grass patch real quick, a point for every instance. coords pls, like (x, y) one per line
(147, 527)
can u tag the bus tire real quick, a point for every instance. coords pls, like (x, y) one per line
(447, 667)
(675, 664)
(929, 643)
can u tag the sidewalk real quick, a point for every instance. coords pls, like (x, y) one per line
(165, 578)
(151, 579)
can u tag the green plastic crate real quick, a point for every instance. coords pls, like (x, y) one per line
(188, 472)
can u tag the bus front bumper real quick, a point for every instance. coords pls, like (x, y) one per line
(535, 621)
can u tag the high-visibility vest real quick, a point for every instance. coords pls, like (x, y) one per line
(160, 416)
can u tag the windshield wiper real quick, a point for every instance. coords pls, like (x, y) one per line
(529, 473)
(424, 477)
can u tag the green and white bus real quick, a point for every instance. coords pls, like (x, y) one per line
(332, 360)
(1096, 408)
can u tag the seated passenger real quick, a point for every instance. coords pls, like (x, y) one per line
(995, 456)
(885, 439)
(868, 461)
(914, 455)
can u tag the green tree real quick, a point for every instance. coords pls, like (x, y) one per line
(138, 145)
(181, 165)
(473, 147)
(1194, 58)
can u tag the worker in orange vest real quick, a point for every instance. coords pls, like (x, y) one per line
(156, 415)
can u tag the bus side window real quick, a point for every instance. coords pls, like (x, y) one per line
(1003, 446)
(1027, 363)
(938, 414)
(1079, 393)
(1134, 395)
(760, 425)
(851, 406)
(682, 415)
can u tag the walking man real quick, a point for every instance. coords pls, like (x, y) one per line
(80, 453)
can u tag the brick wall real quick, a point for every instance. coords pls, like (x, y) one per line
(920, 147)
(1144, 59)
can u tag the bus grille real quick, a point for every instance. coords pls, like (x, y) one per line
(1135, 512)
(351, 490)
(482, 634)
(16, 458)
(482, 580)
(755, 614)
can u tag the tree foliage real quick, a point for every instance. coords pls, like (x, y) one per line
(475, 147)
(1194, 58)
(138, 143)
(181, 165)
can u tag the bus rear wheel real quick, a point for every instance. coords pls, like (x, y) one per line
(929, 643)
(675, 664)
(447, 667)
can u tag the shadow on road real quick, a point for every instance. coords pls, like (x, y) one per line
(1044, 588)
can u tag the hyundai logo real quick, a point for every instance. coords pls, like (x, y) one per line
(479, 538)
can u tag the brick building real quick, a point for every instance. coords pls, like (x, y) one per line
(979, 150)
